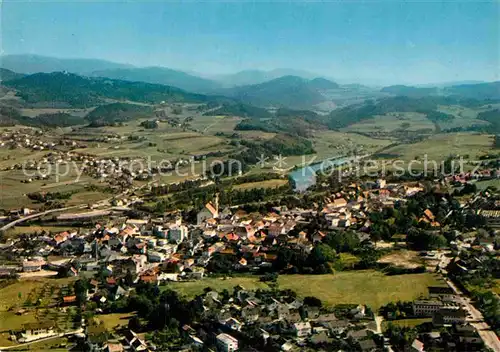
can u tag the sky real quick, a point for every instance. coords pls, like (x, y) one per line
(378, 42)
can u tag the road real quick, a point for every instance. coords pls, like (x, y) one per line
(487, 335)
(62, 334)
(34, 216)
(100, 203)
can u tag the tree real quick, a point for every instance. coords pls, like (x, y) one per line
(81, 288)
(134, 324)
(312, 301)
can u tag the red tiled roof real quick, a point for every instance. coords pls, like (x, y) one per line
(69, 299)
(209, 206)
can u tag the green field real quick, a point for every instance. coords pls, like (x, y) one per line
(262, 184)
(113, 320)
(408, 121)
(355, 287)
(18, 294)
(440, 146)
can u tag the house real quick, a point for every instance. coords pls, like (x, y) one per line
(34, 265)
(337, 327)
(178, 233)
(234, 324)
(133, 342)
(449, 316)
(209, 211)
(72, 272)
(156, 257)
(441, 292)
(67, 300)
(120, 292)
(302, 329)
(113, 347)
(368, 345)
(359, 311)
(226, 343)
(416, 346)
(36, 331)
(338, 203)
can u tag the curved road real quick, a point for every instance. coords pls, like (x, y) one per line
(34, 216)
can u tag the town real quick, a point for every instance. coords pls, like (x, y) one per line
(133, 263)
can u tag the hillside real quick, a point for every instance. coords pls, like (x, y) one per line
(28, 64)
(294, 122)
(480, 91)
(476, 91)
(160, 75)
(493, 117)
(409, 91)
(118, 112)
(427, 105)
(320, 83)
(250, 77)
(59, 89)
(8, 75)
(241, 110)
(288, 91)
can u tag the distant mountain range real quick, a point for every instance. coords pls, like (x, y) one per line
(490, 90)
(60, 89)
(198, 83)
(287, 91)
(161, 75)
(29, 64)
(250, 77)
(87, 82)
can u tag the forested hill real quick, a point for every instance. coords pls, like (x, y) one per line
(480, 91)
(287, 91)
(8, 75)
(70, 90)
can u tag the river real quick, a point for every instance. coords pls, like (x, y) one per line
(305, 177)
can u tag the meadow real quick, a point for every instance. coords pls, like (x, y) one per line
(352, 287)
(38, 297)
(408, 121)
(440, 146)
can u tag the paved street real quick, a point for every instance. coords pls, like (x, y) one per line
(476, 319)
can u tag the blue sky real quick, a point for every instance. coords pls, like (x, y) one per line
(382, 42)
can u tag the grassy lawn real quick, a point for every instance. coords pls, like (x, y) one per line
(15, 295)
(262, 184)
(53, 345)
(402, 258)
(482, 185)
(367, 287)
(112, 320)
(409, 323)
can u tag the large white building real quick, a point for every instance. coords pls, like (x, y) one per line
(209, 211)
(426, 308)
(178, 233)
(226, 343)
(302, 329)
